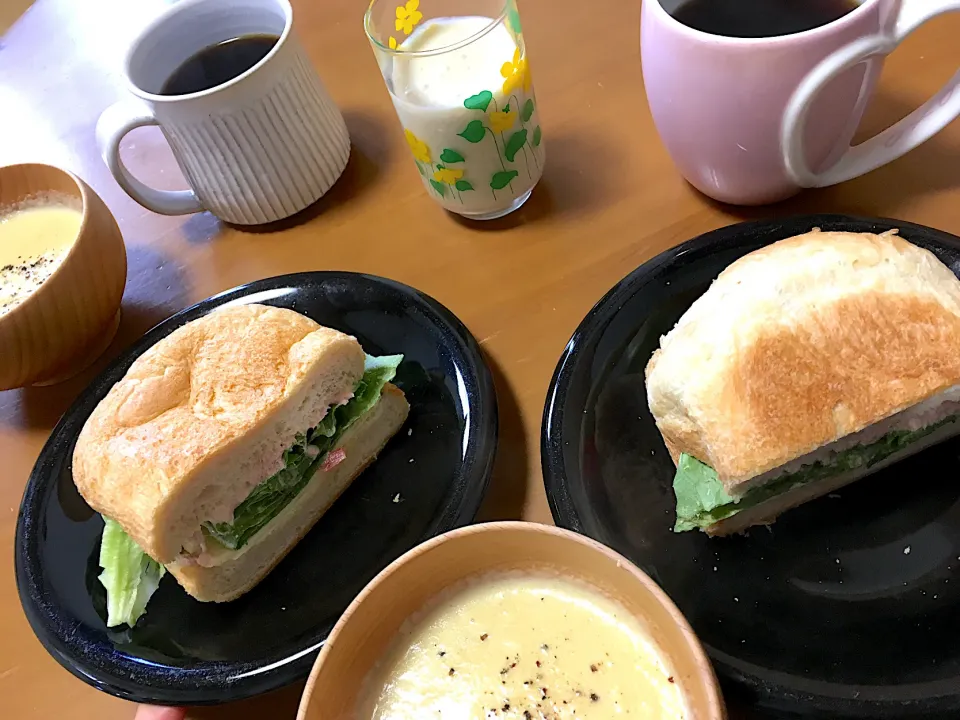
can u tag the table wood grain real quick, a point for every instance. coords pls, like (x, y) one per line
(609, 200)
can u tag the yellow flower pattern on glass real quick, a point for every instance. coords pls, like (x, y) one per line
(515, 74)
(392, 43)
(419, 148)
(408, 16)
(447, 175)
(501, 121)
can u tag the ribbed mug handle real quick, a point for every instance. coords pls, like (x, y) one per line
(115, 122)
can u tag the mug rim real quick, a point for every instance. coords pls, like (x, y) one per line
(183, 6)
(848, 19)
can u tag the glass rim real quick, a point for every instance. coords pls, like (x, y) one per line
(368, 18)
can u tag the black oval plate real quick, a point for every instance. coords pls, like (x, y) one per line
(849, 605)
(186, 652)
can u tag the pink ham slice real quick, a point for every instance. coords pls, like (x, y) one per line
(333, 458)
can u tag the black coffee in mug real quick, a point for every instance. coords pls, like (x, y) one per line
(760, 18)
(219, 63)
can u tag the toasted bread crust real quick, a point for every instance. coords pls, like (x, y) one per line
(801, 343)
(191, 404)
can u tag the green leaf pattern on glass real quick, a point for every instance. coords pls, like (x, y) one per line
(439, 187)
(450, 155)
(513, 17)
(536, 137)
(514, 144)
(462, 185)
(501, 179)
(480, 101)
(474, 131)
(527, 112)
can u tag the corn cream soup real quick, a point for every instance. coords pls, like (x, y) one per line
(34, 241)
(524, 647)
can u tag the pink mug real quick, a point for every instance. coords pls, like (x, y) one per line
(753, 120)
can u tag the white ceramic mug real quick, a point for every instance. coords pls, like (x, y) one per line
(255, 149)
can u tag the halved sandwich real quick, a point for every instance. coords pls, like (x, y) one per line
(222, 446)
(806, 365)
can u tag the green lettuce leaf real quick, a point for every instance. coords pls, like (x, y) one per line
(129, 575)
(302, 460)
(702, 500)
(698, 491)
(377, 372)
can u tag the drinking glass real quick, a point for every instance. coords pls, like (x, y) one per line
(458, 75)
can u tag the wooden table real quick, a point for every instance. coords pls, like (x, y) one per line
(609, 200)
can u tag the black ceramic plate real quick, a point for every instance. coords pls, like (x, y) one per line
(847, 606)
(186, 652)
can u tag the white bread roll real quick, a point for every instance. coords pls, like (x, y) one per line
(234, 572)
(801, 343)
(205, 415)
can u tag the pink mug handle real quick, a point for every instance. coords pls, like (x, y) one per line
(917, 127)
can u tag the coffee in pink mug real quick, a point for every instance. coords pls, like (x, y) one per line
(756, 99)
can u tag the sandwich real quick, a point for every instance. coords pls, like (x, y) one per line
(805, 366)
(222, 446)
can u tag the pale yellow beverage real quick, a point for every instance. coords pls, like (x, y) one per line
(469, 114)
(33, 242)
(525, 647)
